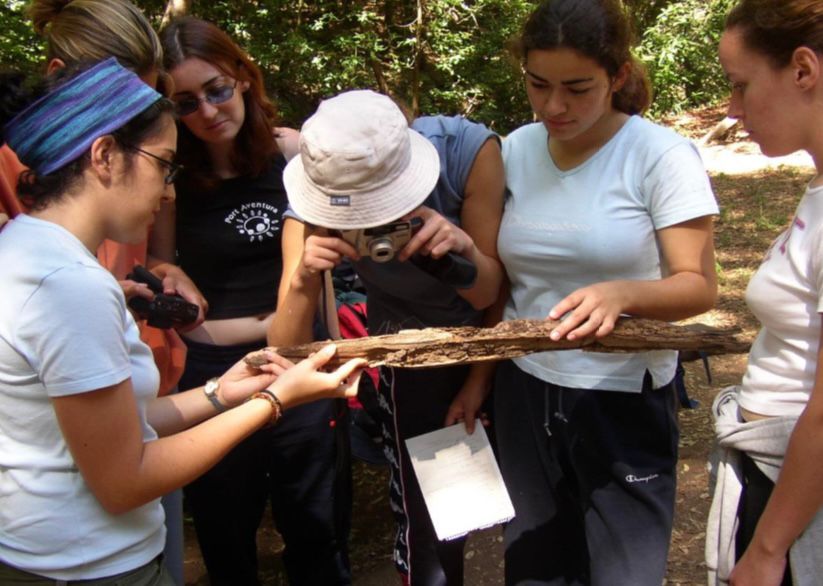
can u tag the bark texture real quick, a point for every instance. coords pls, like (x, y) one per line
(430, 347)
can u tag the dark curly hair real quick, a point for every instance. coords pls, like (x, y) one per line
(38, 191)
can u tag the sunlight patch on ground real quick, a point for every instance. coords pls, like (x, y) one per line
(731, 159)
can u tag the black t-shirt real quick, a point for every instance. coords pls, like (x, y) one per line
(228, 242)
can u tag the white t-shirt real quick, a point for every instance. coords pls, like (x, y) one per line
(64, 329)
(563, 230)
(786, 295)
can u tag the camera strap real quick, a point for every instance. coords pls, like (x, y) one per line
(328, 307)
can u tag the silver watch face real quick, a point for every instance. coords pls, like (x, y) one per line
(211, 386)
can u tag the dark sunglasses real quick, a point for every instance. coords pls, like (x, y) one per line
(174, 168)
(216, 94)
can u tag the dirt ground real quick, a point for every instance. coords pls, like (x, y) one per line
(757, 197)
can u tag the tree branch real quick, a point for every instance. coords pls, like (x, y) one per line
(462, 345)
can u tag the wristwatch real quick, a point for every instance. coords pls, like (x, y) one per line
(210, 389)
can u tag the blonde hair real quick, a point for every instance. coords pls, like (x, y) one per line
(96, 29)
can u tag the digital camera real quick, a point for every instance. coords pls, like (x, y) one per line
(164, 311)
(381, 242)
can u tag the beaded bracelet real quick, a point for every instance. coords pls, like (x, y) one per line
(276, 405)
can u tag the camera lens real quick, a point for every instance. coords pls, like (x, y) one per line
(381, 249)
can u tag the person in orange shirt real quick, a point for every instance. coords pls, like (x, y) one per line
(10, 168)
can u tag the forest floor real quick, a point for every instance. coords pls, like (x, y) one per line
(757, 197)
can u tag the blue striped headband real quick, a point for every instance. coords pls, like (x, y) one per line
(62, 125)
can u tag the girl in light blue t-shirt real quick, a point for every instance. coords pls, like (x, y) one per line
(607, 215)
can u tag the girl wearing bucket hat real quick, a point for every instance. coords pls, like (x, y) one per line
(362, 166)
(608, 215)
(226, 230)
(86, 447)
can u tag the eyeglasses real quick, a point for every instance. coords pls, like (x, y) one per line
(174, 168)
(216, 94)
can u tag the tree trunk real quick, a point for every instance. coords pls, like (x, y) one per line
(377, 68)
(175, 9)
(462, 345)
(418, 60)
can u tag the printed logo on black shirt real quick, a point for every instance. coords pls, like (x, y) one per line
(257, 220)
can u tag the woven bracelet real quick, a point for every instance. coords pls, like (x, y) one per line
(276, 405)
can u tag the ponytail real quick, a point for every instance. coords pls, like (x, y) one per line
(635, 96)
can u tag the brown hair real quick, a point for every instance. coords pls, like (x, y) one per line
(598, 29)
(255, 143)
(77, 30)
(775, 28)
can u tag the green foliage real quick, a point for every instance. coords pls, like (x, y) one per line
(680, 51)
(20, 48)
(434, 56)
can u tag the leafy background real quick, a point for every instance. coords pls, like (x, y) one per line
(436, 56)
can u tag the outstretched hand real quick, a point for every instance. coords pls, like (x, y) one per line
(589, 311)
(241, 381)
(307, 381)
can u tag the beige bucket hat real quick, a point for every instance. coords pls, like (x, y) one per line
(360, 165)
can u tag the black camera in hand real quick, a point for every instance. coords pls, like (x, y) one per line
(451, 269)
(164, 311)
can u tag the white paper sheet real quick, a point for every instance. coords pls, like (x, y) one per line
(460, 480)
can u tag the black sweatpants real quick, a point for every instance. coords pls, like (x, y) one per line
(414, 402)
(592, 478)
(294, 465)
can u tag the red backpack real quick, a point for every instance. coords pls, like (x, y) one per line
(352, 320)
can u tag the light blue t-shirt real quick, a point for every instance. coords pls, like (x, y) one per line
(64, 329)
(562, 230)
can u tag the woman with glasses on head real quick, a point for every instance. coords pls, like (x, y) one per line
(86, 447)
(227, 233)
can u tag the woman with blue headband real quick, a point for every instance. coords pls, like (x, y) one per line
(86, 447)
(77, 30)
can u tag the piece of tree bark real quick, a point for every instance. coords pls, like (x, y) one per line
(462, 345)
